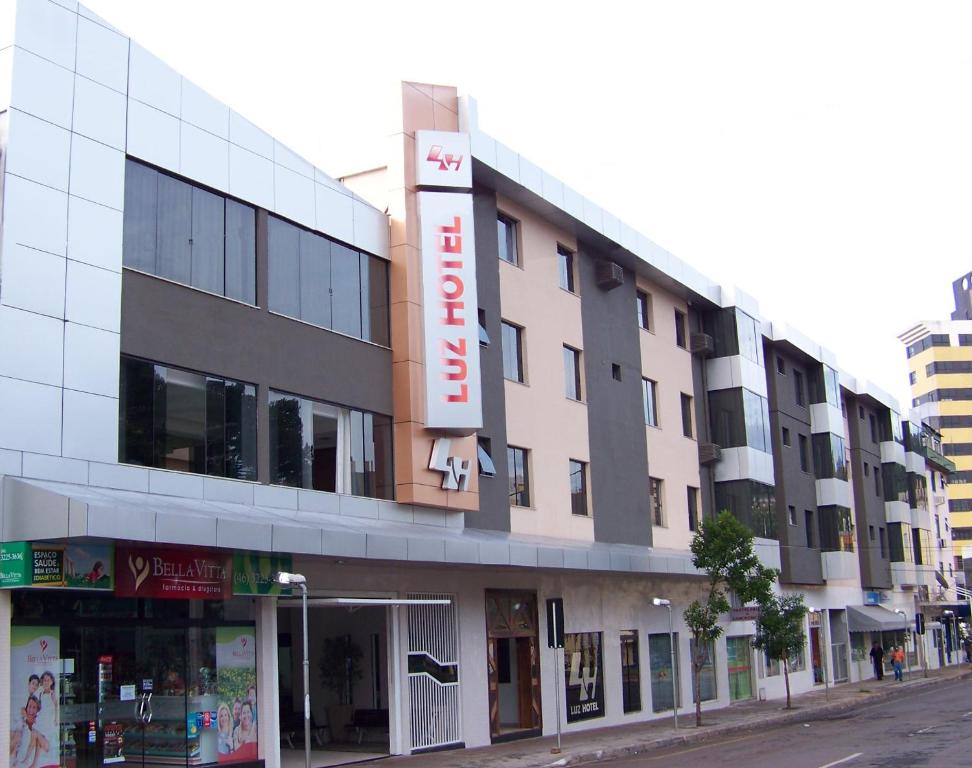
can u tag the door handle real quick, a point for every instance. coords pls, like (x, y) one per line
(139, 705)
(148, 716)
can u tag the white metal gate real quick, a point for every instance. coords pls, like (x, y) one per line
(433, 672)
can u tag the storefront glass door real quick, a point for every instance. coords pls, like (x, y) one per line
(740, 661)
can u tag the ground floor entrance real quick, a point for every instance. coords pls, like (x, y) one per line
(513, 664)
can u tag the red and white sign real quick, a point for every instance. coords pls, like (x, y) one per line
(453, 392)
(181, 574)
(443, 159)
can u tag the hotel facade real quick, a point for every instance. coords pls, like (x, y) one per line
(445, 390)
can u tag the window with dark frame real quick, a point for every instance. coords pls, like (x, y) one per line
(680, 329)
(518, 462)
(692, 495)
(687, 415)
(565, 266)
(786, 436)
(649, 391)
(798, 392)
(630, 671)
(874, 432)
(791, 514)
(804, 453)
(512, 338)
(506, 239)
(484, 456)
(657, 504)
(780, 365)
(644, 310)
(572, 373)
(877, 481)
(808, 519)
(578, 487)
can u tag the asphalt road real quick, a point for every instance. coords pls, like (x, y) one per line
(930, 728)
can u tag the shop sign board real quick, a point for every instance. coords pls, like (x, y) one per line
(443, 159)
(72, 566)
(453, 396)
(35, 734)
(253, 573)
(236, 684)
(179, 574)
(583, 673)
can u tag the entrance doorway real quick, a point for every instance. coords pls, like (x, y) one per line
(513, 660)
(816, 656)
(349, 683)
(739, 652)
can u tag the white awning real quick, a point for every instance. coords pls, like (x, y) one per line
(874, 618)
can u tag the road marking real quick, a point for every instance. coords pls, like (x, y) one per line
(926, 730)
(967, 714)
(842, 760)
(702, 746)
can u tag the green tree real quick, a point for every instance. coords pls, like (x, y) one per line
(779, 631)
(723, 549)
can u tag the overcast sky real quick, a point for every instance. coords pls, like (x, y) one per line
(816, 154)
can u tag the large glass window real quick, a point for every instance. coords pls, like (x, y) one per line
(739, 651)
(917, 491)
(191, 422)
(630, 671)
(836, 529)
(828, 456)
(182, 232)
(824, 384)
(323, 282)
(895, 479)
(664, 677)
(733, 332)
(900, 543)
(704, 653)
(740, 418)
(753, 503)
(328, 448)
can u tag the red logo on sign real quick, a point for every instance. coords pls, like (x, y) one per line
(445, 161)
(243, 641)
(43, 646)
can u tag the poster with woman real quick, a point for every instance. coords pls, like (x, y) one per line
(236, 715)
(34, 697)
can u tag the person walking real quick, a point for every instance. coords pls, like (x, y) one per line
(877, 659)
(897, 658)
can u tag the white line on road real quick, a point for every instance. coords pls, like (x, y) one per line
(842, 760)
(926, 730)
(967, 714)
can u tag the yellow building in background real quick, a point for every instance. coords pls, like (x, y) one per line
(940, 371)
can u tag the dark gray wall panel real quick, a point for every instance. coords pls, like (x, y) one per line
(703, 431)
(494, 499)
(615, 410)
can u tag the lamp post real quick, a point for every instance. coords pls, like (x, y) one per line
(659, 602)
(823, 654)
(949, 617)
(290, 580)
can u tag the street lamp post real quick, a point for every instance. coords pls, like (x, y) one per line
(949, 635)
(659, 602)
(290, 580)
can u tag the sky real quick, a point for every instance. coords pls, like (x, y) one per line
(816, 154)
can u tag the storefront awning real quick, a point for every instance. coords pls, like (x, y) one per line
(874, 618)
(288, 520)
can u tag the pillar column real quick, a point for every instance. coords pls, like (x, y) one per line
(268, 681)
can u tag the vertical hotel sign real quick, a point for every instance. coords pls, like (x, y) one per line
(450, 303)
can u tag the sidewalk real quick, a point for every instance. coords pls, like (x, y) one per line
(626, 740)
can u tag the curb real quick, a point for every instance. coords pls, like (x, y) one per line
(782, 718)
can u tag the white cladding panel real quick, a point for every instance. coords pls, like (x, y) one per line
(443, 159)
(452, 383)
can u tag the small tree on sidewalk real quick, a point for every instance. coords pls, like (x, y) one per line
(779, 631)
(723, 549)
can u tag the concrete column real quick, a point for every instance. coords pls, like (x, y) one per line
(5, 616)
(268, 681)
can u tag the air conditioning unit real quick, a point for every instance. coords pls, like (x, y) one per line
(608, 275)
(702, 344)
(709, 453)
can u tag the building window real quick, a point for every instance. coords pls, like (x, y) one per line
(686, 415)
(912, 378)
(615, 371)
(483, 335)
(680, 328)
(808, 520)
(780, 366)
(791, 514)
(655, 491)
(630, 671)
(190, 422)
(572, 373)
(517, 460)
(506, 235)
(176, 230)
(786, 437)
(663, 677)
(565, 265)
(867, 469)
(512, 351)
(870, 532)
(326, 283)
(578, 487)
(804, 453)
(877, 481)
(874, 432)
(750, 502)
(644, 310)
(692, 494)
(328, 448)
(883, 540)
(649, 388)
(704, 653)
(798, 392)
(740, 418)
(484, 455)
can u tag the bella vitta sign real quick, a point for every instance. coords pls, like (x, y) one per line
(449, 297)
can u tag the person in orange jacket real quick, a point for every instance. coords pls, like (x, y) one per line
(897, 658)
